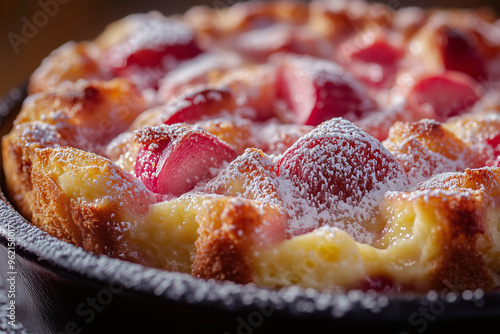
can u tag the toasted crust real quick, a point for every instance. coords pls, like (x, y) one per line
(223, 248)
(84, 115)
(94, 217)
(455, 209)
(461, 263)
(100, 232)
(93, 112)
(17, 151)
(426, 148)
(230, 231)
(70, 62)
(51, 209)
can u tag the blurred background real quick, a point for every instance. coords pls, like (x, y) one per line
(83, 19)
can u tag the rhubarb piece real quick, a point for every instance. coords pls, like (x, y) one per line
(97, 111)
(338, 158)
(444, 95)
(317, 90)
(379, 51)
(174, 159)
(379, 123)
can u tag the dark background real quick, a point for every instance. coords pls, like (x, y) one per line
(83, 19)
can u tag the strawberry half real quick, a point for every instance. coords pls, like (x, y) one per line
(174, 159)
(151, 41)
(317, 90)
(445, 95)
(374, 61)
(460, 53)
(341, 173)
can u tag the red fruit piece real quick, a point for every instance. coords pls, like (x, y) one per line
(494, 163)
(342, 173)
(337, 158)
(380, 51)
(444, 95)
(460, 54)
(318, 90)
(198, 104)
(495, 144)
(174, 159)
(445, 44)
(374, 62)
(148, 39)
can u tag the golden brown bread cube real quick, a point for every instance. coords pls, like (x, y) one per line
(85, 199)
(70, 62)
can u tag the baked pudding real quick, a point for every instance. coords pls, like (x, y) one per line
(328, 145)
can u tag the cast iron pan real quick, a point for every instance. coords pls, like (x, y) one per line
(61, 288)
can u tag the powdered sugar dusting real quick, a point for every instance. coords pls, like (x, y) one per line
(337, 175)
(341, 128)
(154, 31)
(107, 183)
(152, 134)
(250, 176)
(441, 181)
(341, 189)
(194, 98)
(276, 138)
(42, 133)
(424, 149)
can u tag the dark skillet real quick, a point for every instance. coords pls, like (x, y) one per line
(60, 288)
